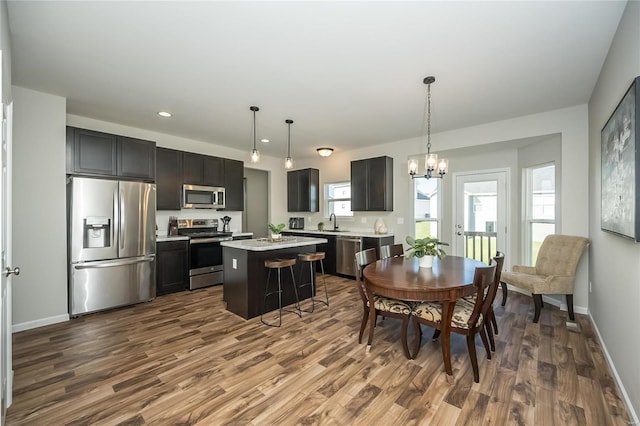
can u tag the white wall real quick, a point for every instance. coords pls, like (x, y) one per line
(5, 45)
(569, 123)
(615, 268)
(39, 212)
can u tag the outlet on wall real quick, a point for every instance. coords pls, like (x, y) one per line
(363, 220)
(401, 221)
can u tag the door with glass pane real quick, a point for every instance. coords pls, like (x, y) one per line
(426, 207)
(480, 215)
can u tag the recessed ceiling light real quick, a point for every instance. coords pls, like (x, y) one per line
(264, 140)
(164, 114)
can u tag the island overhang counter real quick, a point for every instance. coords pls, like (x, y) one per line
(245, 276)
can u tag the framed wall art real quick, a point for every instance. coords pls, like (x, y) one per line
(620, 162)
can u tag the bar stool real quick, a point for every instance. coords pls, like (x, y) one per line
(312, 258)
(278, 264)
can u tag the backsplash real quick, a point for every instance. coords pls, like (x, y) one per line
(162, 218)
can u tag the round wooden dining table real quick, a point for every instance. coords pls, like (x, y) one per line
(447, 280)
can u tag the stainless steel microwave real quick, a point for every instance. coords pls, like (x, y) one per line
(202, 197)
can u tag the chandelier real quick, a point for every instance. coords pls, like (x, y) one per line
(433, 167)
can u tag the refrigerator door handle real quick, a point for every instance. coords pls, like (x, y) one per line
(111, 264)
(122, 218)
(115, 231)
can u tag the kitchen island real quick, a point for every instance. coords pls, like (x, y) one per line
(245, 276)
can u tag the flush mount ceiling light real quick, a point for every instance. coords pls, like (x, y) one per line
(431, 163)
(288, 162)
(164, 114)
(255, 155)
(264, 140)
(324, 151)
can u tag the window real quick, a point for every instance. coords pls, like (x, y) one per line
(338, 198)
(540, 207)
(425, 207)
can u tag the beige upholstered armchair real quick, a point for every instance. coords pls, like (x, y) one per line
(554, 273)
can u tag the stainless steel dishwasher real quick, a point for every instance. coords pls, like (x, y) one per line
(346, 249)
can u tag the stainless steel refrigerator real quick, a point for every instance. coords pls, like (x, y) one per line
(112, 243)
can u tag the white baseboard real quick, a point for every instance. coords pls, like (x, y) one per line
(625, 396)
(552, 301)
(39, 323)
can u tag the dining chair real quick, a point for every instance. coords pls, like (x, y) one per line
(394, 250)
(384, 306)
(468, 319)
(491, 325)
(554, 272)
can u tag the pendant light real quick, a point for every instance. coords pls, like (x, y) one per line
(288, 162)
(255, 155)
(431, 163)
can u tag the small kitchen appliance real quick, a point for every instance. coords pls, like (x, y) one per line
(296, 223)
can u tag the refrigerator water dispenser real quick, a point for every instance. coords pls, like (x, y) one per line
(97, 231)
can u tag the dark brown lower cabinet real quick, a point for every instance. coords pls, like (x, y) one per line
(172, 267)
(376, 243)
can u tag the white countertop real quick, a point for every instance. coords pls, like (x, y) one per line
(339, 233)
(263, 244)
(172, 238)
(243, 234)
(165, 238)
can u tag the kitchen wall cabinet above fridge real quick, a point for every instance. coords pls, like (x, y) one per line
(175, 168)
(372, 185)
(303, 190)
(92, 153)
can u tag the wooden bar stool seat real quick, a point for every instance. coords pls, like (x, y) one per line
(312, 258)
(278, 264)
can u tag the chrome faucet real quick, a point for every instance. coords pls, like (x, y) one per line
(335, 221)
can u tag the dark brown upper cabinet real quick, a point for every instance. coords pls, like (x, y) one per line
(303, 189)
(168, 178)
(204, 170)
(136, 158)
(102, 154)
(372, 184)
(234, 185)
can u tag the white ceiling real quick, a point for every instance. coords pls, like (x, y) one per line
(348, 73)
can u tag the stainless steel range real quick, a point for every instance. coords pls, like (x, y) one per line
(205, 252)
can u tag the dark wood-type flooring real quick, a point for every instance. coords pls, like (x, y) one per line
(183, 359)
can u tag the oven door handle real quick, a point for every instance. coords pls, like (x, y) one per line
(209, 240)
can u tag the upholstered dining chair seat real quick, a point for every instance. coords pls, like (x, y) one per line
(392, 305)
(432, 311)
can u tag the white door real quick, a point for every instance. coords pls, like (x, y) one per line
(480, 214)
(6, 370)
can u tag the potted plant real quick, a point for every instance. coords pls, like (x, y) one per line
(425, 249)
(320, 226)
(276, 231)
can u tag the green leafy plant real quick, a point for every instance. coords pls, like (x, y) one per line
(427, 246)
(276, 229)
(320, 226)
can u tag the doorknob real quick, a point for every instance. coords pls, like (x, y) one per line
(8, 271)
